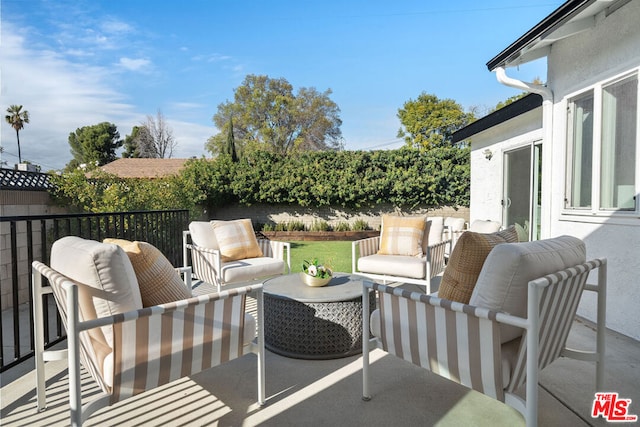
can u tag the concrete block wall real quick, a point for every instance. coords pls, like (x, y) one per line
(268, 214)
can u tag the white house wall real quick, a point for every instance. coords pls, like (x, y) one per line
(609, 49)
(486, 175)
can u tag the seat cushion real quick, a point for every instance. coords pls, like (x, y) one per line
(251, 268)
(236, 239)
(402, 235)
(393, 265)
(159, 282)
(202, 234)
(466, 261)
(503, 282)
(108, 283)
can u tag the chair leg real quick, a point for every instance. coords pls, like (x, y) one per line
(366, 396)
(75, 391)
(38, 331)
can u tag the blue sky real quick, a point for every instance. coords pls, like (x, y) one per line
(78, 63)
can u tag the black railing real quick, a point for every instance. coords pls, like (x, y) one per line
(29, 238)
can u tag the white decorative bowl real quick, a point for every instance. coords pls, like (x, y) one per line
(314, 281)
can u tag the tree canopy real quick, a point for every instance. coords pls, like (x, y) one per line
(429, 122)
(267, 115)
(95, 144)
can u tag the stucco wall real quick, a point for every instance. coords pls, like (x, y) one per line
(604, 52)
(487, 175)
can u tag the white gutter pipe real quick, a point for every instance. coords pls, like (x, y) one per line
(547, 138)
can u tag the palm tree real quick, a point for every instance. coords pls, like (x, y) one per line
(17, 118)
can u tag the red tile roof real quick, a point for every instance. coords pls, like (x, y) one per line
(144, 168)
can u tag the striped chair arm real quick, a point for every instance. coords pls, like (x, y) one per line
(276, 249)
(368, 246)
(177, 339)
(206, 263)
(456, 341)
(559, 298)
(435, 255)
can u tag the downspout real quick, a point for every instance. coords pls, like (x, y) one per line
(547, 137)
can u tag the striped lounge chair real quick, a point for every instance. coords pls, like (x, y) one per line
(172, 340)
(199, 243)
(484, 348)
(366, 260)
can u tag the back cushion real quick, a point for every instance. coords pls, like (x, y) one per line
(402, 235)
(435, 227)
(236, 240)
(454, 224)
(202, 234)
(105, 269)
(466, 261)
(159, 282)
(482, 226)
(503, 281)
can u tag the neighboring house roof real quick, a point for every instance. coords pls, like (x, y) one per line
(572, 17)
(144, 168)
(516, 108)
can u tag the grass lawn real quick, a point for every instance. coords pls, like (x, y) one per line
(334, 254)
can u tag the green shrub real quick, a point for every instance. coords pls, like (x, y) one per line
(319, 225)
(268, 227)
(361, 225)
(342, 226)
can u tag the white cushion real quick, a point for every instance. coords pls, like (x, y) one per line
(454, 224)
(435, 225)
(105, 269)
(202, 234)
(394, 265)
(251, 268)
(482, 226)
(504, 278)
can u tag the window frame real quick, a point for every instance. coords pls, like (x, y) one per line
(595, 210)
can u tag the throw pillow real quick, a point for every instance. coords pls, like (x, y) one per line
(466, 261)
(236, 240)
(402, 235)
(159, 282)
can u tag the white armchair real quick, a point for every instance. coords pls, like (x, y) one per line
(367, 262)
(209, 264)
(514, 326)
(128, 348)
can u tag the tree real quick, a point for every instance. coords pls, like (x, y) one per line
(17, 119)
(139, 144)
(429, 122)
(95, 145)
(161, 135)
(231, 142)
(268, 115)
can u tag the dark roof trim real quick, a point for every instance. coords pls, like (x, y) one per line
(556, 18)
(521, 106)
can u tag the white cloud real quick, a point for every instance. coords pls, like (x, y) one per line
(60, 96)
(135, 64)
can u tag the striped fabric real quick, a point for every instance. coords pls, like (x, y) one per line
(175, 340)
(557, 308)
(368, 246)
(461, 345)
(436, 254)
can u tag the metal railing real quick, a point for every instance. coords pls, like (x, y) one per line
(29, 238)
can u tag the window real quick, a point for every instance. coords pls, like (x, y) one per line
(602, 148)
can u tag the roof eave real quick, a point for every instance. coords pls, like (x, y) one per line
(532, 45)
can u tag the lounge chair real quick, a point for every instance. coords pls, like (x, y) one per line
(127, 348)
(516, 323)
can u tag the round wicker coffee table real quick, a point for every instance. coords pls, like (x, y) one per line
(307, 322)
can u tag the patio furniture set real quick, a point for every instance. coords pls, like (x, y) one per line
(502, 311)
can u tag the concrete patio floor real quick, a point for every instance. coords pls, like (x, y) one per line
(328, 393)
